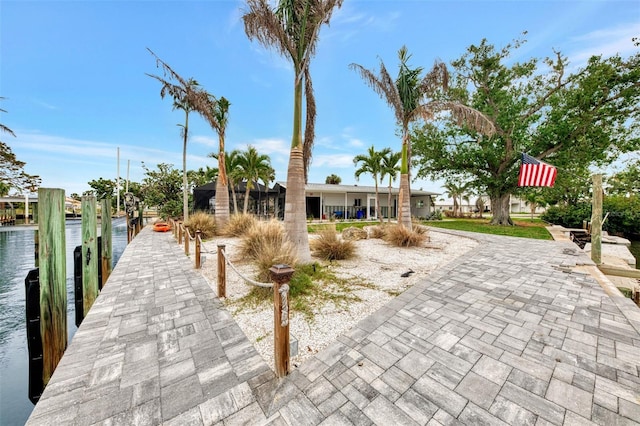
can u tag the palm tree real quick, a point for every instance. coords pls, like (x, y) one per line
(254, 167)
(182, 103)
(414, 97)
(371, 163)
(333, 179)
(391, 168)
(292, 29)
(188, 96)
(456, 192)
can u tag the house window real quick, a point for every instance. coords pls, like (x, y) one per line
(420, 204)
(357, 202)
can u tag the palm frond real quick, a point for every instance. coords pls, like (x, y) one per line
(383, 85)
(437, 78)
(310, 124)
(262, 24)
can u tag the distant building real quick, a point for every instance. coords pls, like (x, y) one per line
(323, 201)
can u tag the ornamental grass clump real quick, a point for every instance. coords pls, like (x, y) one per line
(378, 231)
(203, 222)
(239, 224)
(400, 236)
(265, 245)
(328, 246)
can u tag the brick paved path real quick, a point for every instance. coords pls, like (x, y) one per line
(510, 333)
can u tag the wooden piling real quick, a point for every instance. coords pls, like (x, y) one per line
(281, 276)
(107, 243)
(222, 272)
(89, 253)
(596, 220)
(53, 278)
(198, 248)
(187, 238)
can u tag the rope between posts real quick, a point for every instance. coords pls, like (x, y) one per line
(248, 280)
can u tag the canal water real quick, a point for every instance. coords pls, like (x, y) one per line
(16, 259)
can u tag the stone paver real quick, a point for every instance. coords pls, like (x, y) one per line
(510, 333)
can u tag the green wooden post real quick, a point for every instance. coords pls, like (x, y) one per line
(596, 220)
(53, 279)
(106, 240)
(89, 253)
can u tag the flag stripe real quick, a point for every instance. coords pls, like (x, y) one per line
(534, 172)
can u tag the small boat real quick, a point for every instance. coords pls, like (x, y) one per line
(161, 227)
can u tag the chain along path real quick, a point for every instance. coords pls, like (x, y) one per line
(513, 333)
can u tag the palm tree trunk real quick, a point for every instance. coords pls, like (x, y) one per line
(389, 202)
(404, 215)
(222, 204)
(375, 179)
(185, 196)
(295, 223)
(246, 198)
(295, 210)
(222, 189)
(233, 194)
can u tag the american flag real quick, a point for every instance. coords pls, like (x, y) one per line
(534, 172)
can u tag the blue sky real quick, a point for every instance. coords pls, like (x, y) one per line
(73, 75)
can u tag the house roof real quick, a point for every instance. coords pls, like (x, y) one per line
(331, 188)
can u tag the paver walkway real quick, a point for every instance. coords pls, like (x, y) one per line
(510, 333)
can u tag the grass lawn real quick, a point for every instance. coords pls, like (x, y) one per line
(526, 228)
(338, 225)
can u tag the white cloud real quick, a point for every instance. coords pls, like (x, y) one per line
(606, 42)
(340, 161)
(204, 140)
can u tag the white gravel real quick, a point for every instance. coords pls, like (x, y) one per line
(376, 263)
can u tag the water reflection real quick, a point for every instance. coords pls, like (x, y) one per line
(16, 259)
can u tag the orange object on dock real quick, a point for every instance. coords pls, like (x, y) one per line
(161, 227)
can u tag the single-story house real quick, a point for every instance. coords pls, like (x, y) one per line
(325, 201)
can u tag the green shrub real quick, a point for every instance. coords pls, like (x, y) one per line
(264, 243)
(570, 216)
(328, 246)
(201, 221)
(400, 236)
(239, 224)
(623, 218)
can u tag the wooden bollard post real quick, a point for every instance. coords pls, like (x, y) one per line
(281, 276)
(53, 279)
(179, 225)
(106, 240)
(89, 253)
(222, 272)
(187, 238)
(198, 236)
(596, 220)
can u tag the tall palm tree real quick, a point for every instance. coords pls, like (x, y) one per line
(391, 168)
(371, 163)
(189, 96)
(182, 103)
(254, 167)
(292, 29)
(413, 97)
